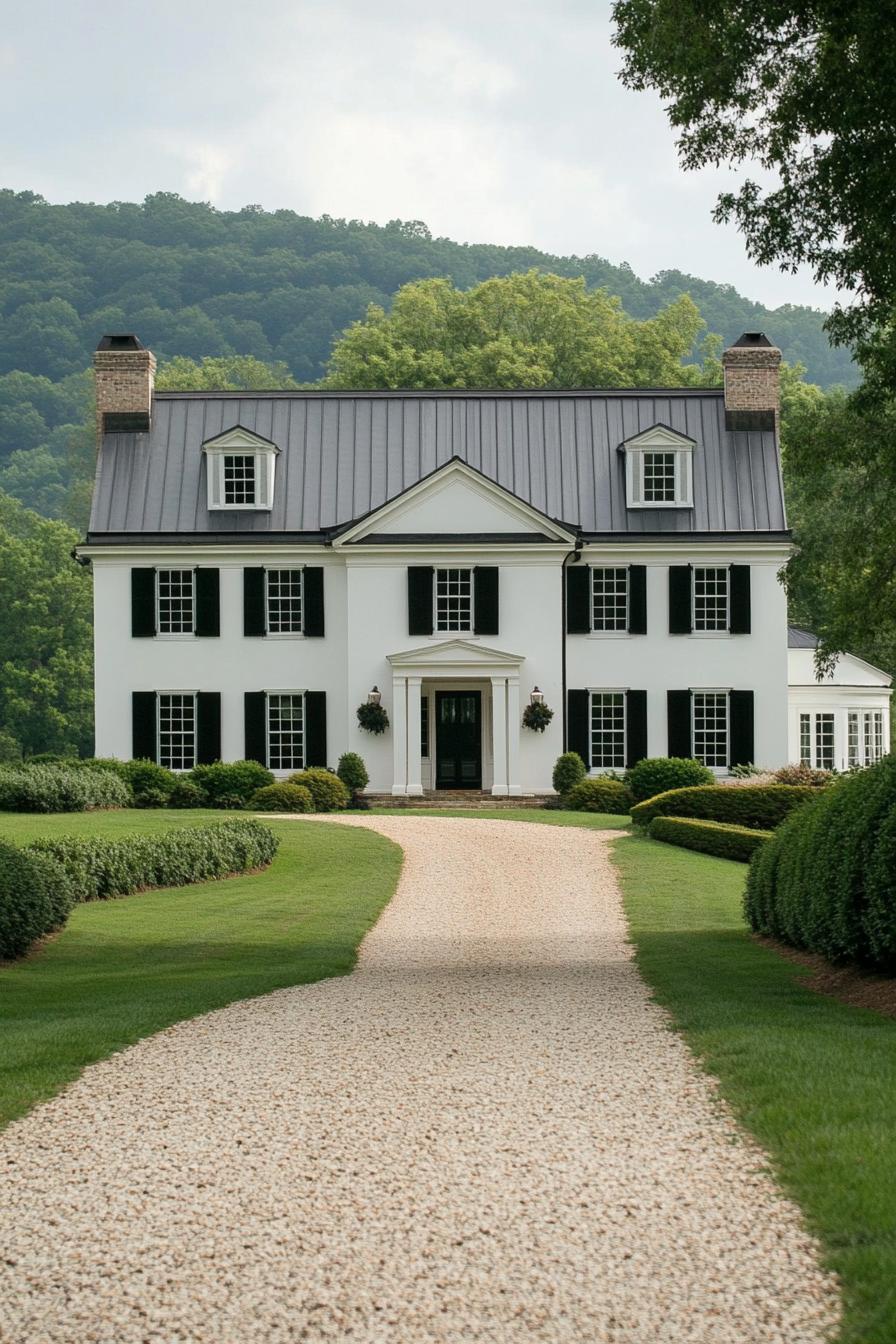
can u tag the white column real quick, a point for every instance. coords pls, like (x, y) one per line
(415, 785)
(514, 786)
(399, 735)
(499, 736)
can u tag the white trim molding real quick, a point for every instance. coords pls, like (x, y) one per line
(239, 442)
(659, 440)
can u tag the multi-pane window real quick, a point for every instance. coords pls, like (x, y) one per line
(659, 478)
(852, 738)
(806, 739)
(608, 730)
(175, 600)
(609, 597)
(286, 731)
(824, 741)
(284, 601)
(454, 599)
(177, 730)
(710, 598)
(239, 478)
(710, 710)
(874, 736)
(424, 726)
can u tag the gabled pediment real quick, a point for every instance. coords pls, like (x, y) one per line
(659, 436)
(456, 500)
(466, 653)
(238, 438)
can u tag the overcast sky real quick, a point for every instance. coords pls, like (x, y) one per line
(491, 121)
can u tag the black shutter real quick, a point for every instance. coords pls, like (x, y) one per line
(680, 600)
(313, 601)
(143, 603)
(637, 600)
(208, 602)
(679, 712)
(578, 600)
(254, 615)
(315, 727)
(740, 716)
(208, 727)
(256, 712)
(635, 727)
(420, 579)
(143, 712)
(485, 599)
(739, 599)
(578, 729)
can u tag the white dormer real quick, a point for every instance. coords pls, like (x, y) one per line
(240, 470)
(659, 469)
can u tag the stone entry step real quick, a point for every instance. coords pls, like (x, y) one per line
(454, 798)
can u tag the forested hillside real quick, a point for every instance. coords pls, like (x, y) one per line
(195, 281)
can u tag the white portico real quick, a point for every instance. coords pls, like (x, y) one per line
(470, 695)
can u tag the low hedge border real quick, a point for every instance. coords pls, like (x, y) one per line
(709, 837)
(761, 808)
(99, 869)
(36, 897)
(60, 788)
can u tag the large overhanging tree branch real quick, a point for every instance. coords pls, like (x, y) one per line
(805, 91)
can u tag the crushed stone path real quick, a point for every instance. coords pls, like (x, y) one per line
(486, 1132)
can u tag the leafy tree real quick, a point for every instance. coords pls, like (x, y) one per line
(226, 373)
(806, 91)
(529, 330)
(46, 699)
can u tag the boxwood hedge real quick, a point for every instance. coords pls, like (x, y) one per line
(99, 868)
(827, 881)
(35, 898)
(599, 795)
(60, 788)
(760, 808)
(709, 837)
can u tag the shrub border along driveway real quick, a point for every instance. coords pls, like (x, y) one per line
(813, 1080)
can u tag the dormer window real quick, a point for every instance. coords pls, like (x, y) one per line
(240, 466)
(659, 469)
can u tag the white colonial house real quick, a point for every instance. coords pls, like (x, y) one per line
(842, 719)
(266, 562)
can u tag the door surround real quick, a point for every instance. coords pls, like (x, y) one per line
(458, 738)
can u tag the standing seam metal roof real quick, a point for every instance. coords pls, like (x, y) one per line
(345, 454)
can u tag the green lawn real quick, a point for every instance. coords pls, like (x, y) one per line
(123, 969)
(815, 1081)
(601, 821)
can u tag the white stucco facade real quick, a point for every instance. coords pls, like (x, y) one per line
(841, 720)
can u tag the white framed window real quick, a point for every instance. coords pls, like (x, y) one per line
(874, 735)
(709, 711)
(283, 601)
(240, 465)
(853, 756)
(609, 599)
(659, 469)
(176, 730)
(806, 739)
(824, 741)
(454, 599)
(608, 730)
(175, 602)
(710, 597)
(286, 730)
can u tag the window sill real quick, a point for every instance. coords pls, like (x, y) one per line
(283, 635)
(611, 634)
(174, 639)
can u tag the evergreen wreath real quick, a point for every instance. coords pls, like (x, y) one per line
(373, 718)
(537, 716)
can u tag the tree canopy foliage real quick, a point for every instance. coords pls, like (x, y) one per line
(806, 92)
(46, 699)
(530, 330)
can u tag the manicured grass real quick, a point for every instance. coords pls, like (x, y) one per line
(601, 821)
(813, 1080)
(125, 968)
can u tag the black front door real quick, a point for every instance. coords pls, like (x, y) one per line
(458, 740)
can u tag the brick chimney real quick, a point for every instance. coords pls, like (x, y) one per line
(124, 373)
(752, 390)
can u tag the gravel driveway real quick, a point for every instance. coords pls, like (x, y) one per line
(487, 1132)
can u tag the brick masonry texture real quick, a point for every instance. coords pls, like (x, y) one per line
(752, 379)
(124, 382)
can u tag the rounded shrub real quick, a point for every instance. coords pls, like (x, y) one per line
(230, 784)
(35, 898)
(599, 795)
(328, 793)
(353, 772)
(762, 806)
(282, 798)
(658, 774)
(149, 781)
(569, 770)
(803, 774)
(826, 881)
(187, 794)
